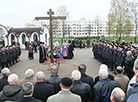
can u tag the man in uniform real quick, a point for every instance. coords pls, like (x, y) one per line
(3, 57)
(8, 57)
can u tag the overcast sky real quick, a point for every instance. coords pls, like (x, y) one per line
(16, 13)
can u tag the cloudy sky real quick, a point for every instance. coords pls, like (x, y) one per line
(16, 13)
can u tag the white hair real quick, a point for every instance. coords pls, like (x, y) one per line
(103, 73)
(135, 65)
(118, 95)
(12, 79)
(40, 75)
(5, 71)
(129, 52)
(104, 66)
(76, 75)
(29, 73)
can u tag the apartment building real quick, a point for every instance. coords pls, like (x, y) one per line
(79, 28)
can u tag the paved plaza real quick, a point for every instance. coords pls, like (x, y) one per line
(80, 56)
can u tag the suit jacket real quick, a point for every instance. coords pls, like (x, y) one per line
(64, 96)
(55, 81)
(31, 79)
(3, 82)
(42, 91)
(28, 99)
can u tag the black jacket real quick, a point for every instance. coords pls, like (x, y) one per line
(11, 93)
(87, 79)
(28, 99)
(83, 90)
(3, 82)
(55, 81)
(42, 91)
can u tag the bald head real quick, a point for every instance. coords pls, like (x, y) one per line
(82, 68)
(117, 95)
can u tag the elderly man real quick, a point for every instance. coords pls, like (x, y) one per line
(54, 79)
(65, 95)
(121, 79)
(129, 61)
(117, 95)
(79, 88)
(28, 89)
(104, 66)
(133, 88)
(42, 90)
(5, 72)
(104, 87)
(133, 80)
(12, 91)
(29, 77)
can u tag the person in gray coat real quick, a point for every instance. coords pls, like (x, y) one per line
(12, 91)
(65, 95)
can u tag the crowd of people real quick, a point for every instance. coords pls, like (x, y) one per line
(9, 55)
(81, 43)
(115, 54)
(65, 50)
(79, 87)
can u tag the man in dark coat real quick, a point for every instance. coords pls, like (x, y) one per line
(85, 78)
(8, 56)
(42, 90)
(42, 53)
(28, 90)
(77, 42)
(70, 51)
(3, 81)
(129, 61)
(79, 88)
(80, 43)
(73, 43)
(12, 91)
(3, 57)
(88, 43)
(54, 79)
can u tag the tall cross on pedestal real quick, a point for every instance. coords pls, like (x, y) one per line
(50, 13)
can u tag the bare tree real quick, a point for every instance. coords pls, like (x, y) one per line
(63, 11)
(134, 9)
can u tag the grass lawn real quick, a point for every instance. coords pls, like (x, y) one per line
(0, 45)
(123, 38)
(91, 39)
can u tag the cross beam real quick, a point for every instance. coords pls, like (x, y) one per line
(50, 13)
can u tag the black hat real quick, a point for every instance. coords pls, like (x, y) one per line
(66, 81)
(41, 42)
(134, 46)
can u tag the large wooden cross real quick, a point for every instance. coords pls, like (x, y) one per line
(50, 13)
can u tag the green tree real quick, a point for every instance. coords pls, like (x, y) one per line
(119, 17)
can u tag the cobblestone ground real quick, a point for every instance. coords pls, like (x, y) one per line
(80, 56)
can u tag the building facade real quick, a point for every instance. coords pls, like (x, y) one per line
(79, 28)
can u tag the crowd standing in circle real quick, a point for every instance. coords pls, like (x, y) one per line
(79, 87)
